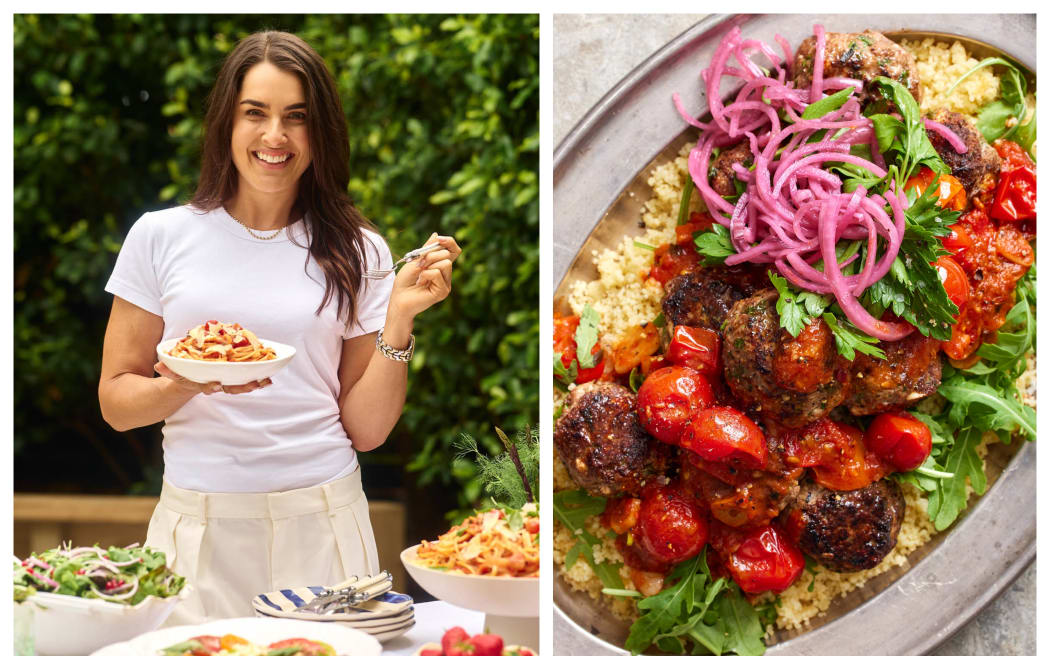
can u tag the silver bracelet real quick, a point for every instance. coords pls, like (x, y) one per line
(388, 351)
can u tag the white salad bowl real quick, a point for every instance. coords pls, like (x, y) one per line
(73, 626)
(226, 373)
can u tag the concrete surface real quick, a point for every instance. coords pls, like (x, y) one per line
(591, 54)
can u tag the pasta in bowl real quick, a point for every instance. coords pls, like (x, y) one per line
(224, 353)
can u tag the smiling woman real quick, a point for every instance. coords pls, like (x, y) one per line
(262, 487)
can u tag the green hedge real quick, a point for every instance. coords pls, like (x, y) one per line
(444, 137)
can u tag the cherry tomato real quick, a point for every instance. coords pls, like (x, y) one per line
(669, 398)
(951, 194)
(670, 526)
(725, 434)
(966, 335)
(565, 346)
(698, 222)
(954, 279)
(695, 347)
(1015, 194)
(307, 647)
(621, 515)
(765, 561)
(899, 439)
(959, 240)
(836, 453)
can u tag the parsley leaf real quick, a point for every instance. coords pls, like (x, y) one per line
(906, 138)
(587, 337)
(563, 374)
(714, 245)
(849, 340)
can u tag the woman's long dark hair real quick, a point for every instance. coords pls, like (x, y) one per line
(336, 227)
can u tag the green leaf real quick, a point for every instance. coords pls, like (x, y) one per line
(743, 630)
(827, 105)
(793, 315)
(714, 245)
(587, 337)
(849, 340)
(683, 206)
(566, 376)
(949, 499)
(1001, 413)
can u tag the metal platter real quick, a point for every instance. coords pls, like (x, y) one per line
(599, 189)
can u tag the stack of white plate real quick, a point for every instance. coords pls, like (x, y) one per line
(384, 618)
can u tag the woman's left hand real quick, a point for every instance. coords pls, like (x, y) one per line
(426, 281)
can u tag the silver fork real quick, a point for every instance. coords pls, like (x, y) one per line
(379, 274)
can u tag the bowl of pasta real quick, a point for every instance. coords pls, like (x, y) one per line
(489, 562)
(224, 353)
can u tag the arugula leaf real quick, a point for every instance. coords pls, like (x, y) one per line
(849, 340)
(572, 508)
(587, 336)
(949, 497)
(712, 613)
(1025, 135)
(714, 245)
(993, 411)
(827, 105)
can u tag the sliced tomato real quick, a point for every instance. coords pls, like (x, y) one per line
(307, 647)
(565, 346)
(836, 453)
(959, 240)
(637, 343)
(951, 194)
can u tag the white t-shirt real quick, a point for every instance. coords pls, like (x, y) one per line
(188, 267)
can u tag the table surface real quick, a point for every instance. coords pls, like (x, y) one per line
(433, 618)
(592, 53)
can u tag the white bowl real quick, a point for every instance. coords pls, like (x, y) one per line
(73, 626)
(495, 595)
(226, 373)
(256, 629)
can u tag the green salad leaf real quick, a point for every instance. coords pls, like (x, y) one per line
(587, 336)
(693, 607)
(573, 508)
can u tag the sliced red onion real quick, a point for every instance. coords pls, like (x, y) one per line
(953, 139)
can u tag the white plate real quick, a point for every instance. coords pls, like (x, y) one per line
(227, 373)
(285, 603)
(506, 596)
(393, 633)
(256, 629)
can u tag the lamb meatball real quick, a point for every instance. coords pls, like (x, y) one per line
(910, 373)
(702, 298)
(722, 173)
(978, 168)
(846, 531)
(863, 57)
(602, 444)
(789, 380)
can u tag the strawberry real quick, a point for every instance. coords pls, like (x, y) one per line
(487, 644)
(431, 652)
(454, 642)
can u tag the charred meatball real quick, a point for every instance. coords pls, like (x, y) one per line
(792, 381)
(702, 298)
(602, 444)
(722, 173)
(978, 168)
(910, 373)
(863, 57)
(846, 531)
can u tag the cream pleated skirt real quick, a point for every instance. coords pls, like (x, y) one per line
(231, 547)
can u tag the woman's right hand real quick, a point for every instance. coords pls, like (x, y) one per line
(209, 388)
